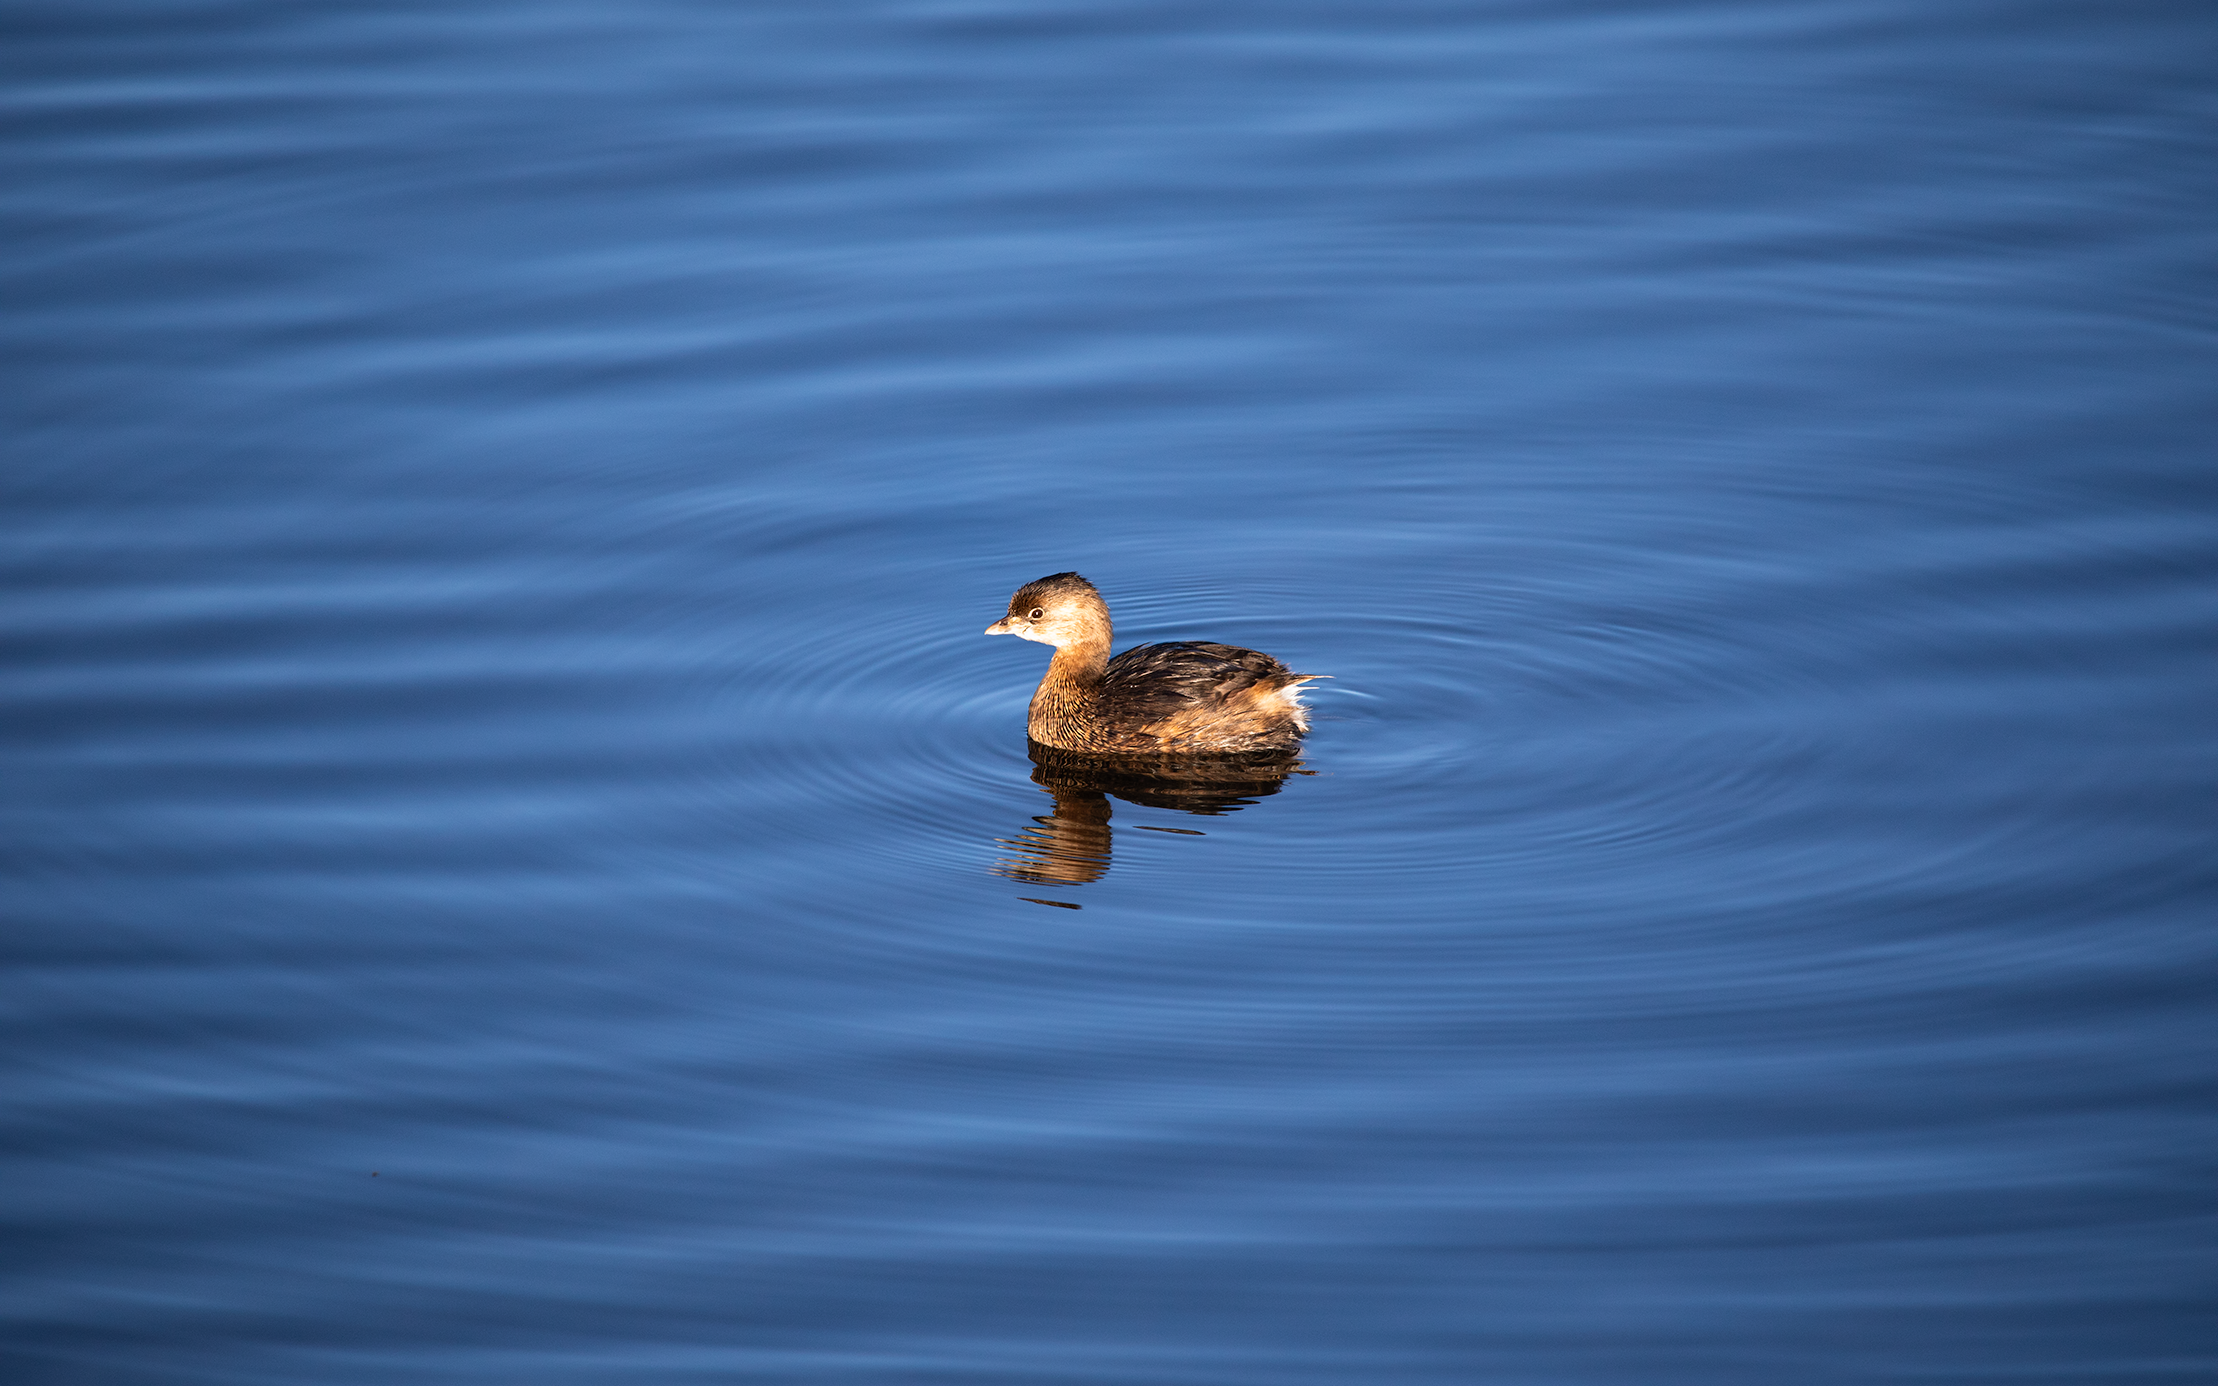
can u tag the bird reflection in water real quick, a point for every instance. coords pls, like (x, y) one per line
(1071, 845)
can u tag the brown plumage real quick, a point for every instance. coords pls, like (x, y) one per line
(1183, 698)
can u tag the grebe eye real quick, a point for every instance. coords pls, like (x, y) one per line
(1036, 614)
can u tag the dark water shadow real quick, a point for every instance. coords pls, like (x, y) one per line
(1071, 846)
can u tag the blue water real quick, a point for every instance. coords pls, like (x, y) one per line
(521, 867)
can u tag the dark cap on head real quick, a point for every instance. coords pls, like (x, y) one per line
(1053, 585)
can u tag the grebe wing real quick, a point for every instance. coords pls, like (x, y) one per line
(1178, 674)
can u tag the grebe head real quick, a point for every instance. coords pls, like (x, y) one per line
(1062, 609)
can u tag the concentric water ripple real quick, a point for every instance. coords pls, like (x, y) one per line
(1573, 748)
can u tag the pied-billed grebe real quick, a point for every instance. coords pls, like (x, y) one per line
(1186, 697)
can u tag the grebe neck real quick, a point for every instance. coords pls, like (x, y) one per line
(1069, 698)
(1079, 665)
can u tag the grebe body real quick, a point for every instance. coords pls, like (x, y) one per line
(1187, 697)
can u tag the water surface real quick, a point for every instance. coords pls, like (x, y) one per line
(523, 869)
